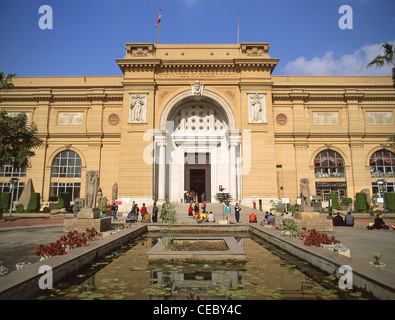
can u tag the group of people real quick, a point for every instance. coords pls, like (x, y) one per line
(348, 220)
(194, 211)
(136, 212)
(193, 197)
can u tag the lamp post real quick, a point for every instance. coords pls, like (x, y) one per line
(382, 184)
(13, 185)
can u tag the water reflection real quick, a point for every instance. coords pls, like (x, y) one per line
(267, 274)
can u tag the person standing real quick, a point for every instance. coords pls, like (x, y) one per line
(204, 207)
(190, 210)
(114, 210)
(76, 209)
(227, 211)
(260, 204)
(143, 212)
(237, 212)
(154, 213)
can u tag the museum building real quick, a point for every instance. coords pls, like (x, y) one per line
(200, 117)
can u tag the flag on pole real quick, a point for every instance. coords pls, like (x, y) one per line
(158, 20)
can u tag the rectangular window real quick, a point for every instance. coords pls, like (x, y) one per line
(56, 188)
(379, 118)
(15, 113)
(6, 187)
(9, 171)
(70, 118)
(325, 118)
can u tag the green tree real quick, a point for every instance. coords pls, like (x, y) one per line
(17, 140)
(388, 58)
(6, 81)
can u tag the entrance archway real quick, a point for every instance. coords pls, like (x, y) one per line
(198, 128)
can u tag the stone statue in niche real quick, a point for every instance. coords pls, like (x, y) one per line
(137, 108)
(257, 109)
(197, 88)
(91, 187)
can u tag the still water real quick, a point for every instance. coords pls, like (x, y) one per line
(268, 273)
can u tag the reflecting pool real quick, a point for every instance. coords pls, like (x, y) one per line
(267, 273)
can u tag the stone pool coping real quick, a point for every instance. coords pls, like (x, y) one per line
(234, 252)
(23, 284)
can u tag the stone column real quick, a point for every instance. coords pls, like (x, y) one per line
(234, 142)
(161, 147)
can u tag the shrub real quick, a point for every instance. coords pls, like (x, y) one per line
(335, 202)
(34, 203)
(389, 198)
(19, 208)
(64, 200)
(346, 201)
(6, 200)
(361, 205)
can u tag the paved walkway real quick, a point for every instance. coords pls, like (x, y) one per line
(17, 238)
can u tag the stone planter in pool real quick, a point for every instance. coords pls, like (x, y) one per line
(197, 248)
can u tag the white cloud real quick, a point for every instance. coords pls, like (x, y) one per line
(189, 3)
(353, 64)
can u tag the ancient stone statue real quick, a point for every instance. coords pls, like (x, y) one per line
(91, 187)
(114, 194)
(305, 195)
(257, 107)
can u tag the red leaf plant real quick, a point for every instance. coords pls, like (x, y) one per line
(72, 240)
(314, 238)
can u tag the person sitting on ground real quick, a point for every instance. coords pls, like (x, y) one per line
(253, 218)
(338, 220)
(203, 216)
(379, 222)
(271, 220)
(210, 217)
(349, 220)
(146, 218)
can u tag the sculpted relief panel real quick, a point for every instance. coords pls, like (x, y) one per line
(138, 108)
(257, 107)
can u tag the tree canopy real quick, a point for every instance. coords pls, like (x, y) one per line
(388, 58)
(17, 140)
(5, 81)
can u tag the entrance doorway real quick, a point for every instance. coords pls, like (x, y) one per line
(198, 176)
(198, 182)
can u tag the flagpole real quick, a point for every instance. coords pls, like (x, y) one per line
(158, 31)
(159, 21)
(238, 28)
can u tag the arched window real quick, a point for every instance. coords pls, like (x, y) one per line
(66, 164)
(65, 175)
(329, 164)
(382, 164)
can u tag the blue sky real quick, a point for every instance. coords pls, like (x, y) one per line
(88, 35)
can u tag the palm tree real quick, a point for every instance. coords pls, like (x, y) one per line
(5, 81)
(389, 58)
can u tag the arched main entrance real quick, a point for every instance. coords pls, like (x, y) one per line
(198, 148)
